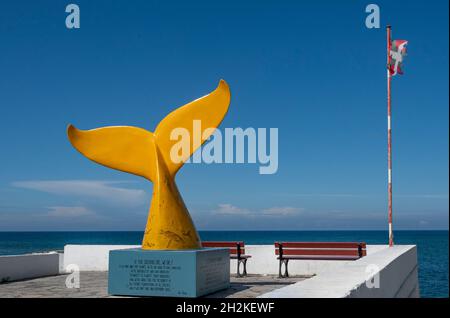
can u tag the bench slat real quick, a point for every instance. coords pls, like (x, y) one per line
(231, 245)
(222, 244)
(320, 244)
(242, 256)
(321, 257)
(322, 252)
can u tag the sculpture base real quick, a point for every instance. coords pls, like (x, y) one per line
(174, 273)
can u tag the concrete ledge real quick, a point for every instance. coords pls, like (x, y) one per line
(396, 269)
(19, 267)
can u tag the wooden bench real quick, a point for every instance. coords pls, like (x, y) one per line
(237, 251)
(317, 251)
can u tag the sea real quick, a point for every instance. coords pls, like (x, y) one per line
(432, 246)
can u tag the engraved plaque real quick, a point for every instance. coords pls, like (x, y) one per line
(177, 273)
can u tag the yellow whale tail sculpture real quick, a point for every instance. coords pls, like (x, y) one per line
(143, 153)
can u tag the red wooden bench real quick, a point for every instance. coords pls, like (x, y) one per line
(317, 251)
(237, 251)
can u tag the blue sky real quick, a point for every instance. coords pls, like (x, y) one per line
(309, 68)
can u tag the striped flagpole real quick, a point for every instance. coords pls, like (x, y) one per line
(391, 234)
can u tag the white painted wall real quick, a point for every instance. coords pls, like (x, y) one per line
(263, 260)
(396, 268)
(91, 257)
(18, 267)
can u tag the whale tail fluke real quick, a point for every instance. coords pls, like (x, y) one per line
(209, 110)
(124, 148)
(133, 149)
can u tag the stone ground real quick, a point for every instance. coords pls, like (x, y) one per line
(94, 285)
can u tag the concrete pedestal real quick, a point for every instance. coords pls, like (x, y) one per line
(181, 273)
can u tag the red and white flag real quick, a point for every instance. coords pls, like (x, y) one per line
(396, 55)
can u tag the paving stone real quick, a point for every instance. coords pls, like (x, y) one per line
(94, 285)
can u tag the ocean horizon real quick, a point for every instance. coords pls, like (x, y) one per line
(432, 245)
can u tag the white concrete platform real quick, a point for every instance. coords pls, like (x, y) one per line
(395, 269)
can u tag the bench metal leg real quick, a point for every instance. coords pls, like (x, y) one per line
(244, 265)
(286, 273)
